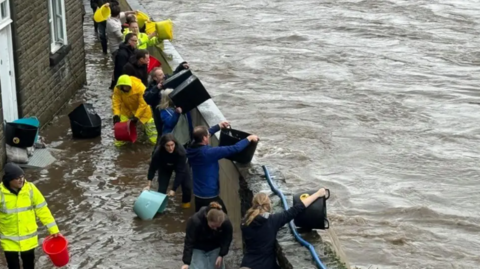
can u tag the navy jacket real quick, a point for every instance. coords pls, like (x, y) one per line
(175, 161)
(260, 237)
(204, 162)
(200, 236)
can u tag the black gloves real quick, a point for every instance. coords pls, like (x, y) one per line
(116, 119)
(134, 120)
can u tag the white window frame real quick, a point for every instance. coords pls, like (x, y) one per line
(58, 24)
(4, 21)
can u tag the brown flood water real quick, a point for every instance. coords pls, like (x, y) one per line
(92, 186)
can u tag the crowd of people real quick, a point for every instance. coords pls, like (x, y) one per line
(141, 98)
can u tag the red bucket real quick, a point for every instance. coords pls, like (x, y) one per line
(57, 249)
(126, 131)
(152, 63)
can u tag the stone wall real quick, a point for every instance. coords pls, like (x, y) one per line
(2, 141)
(46, 82)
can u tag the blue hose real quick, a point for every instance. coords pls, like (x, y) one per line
(291, 225)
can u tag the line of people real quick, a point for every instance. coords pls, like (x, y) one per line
(184, 151)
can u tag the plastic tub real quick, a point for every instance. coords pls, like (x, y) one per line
(57, 249)
(189, 94)
(126, 131)
(315, 216)
(152, 63)
(164, 29)
(20, 135)
(230, 137)
(149, 203)
(33, 121)
(102, 14)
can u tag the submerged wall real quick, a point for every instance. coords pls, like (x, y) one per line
(239, 183)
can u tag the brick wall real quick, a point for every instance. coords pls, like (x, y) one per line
(43, 89)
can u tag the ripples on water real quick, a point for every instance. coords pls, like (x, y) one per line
(377, 100)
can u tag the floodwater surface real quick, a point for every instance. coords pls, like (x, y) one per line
(376, 100)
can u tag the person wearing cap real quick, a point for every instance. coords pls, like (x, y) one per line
(128, 104)
(20, 204)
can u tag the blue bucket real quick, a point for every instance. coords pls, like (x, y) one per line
(32, 121)
(149, 203)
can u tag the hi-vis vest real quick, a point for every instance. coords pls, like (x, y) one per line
(18, 224)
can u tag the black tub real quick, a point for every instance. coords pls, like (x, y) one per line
(20, 135)
(85, 122)
(229, 137)
(315, 216)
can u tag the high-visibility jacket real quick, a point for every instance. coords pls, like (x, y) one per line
(143, 40)
(131, 103)
(18, 213)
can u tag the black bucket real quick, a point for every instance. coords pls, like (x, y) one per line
(85, 122)
(189, 94)
(20, 135)
(230, 137)
(177, 79)
(315, 216)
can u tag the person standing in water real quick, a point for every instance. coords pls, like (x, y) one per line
(260, 228)
(204, 162)
(207, 239)
(168, 157)
(21, 203)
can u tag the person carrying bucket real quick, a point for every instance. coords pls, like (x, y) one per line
(168, 157)
(207, 238)
(21, 203)
(113, 28)
(204, 162)
(153, 97)
(144, 40)
(260, 228)
(128, 104)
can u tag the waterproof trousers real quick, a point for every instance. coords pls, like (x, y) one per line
(13, 259)
(205, 260)
(148, 127)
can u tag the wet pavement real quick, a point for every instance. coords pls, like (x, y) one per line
(377, 100)
(92, 186)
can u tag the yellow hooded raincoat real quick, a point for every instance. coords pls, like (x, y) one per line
(131, 104)
(18, 213)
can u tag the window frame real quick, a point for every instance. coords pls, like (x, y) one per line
(58, 33)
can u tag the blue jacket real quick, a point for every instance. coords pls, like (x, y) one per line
(169, 119)
(204, 163)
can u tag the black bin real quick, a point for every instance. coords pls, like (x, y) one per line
(229, 137)
(85, 122)
(177, 79)
(315, 216)
(189, 94)
(20, 135)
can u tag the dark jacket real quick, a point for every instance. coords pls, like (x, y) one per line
(98, 3)
(139, 71)
(124, 54)
(152, 97)
(260, 237)
(176, 161)
(200, 236)
(204, 162)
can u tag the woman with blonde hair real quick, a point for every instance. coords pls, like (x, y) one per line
(168, 112)
(207, 239)
(260, 228)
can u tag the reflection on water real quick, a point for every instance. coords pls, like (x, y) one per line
(375, 99)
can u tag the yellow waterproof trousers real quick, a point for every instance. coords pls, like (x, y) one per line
(149, 128)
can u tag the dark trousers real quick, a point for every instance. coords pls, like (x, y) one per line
(201, 202)
(28, 259)
(95, 24)
(102, 31)
(164, 176)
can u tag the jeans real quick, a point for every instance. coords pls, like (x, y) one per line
(205, 260)
(102, 31)
(13, 261)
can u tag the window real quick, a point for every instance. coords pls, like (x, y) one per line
(4, 14)
(58, 26)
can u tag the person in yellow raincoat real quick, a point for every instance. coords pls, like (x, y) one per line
(20, 204)
(144, 40)
(128, 104)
